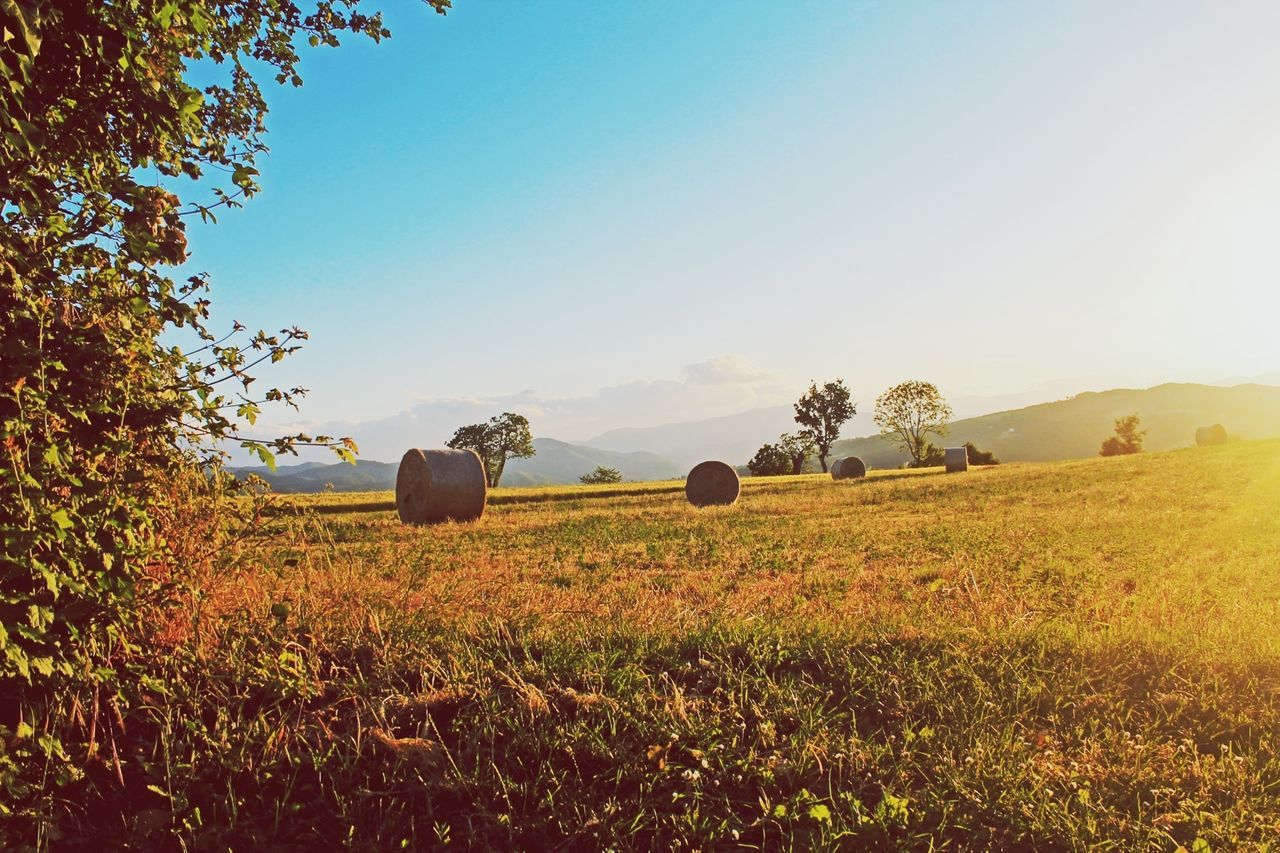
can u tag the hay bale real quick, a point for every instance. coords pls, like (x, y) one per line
(957, 459)
(848, 468)
(440, 485)
(712, 483)
(1216, 434)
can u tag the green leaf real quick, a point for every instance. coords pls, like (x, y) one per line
(243, 176)
(165, 15)
(268, 458)
(820, 813)
(26, 17)
(60, 518)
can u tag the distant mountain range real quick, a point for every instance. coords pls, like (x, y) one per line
(561, 462)
(554, 462)
(364, 476)
(1065, 429)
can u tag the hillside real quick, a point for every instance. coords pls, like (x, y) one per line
(735, 438)
(555, 462)
(561, 462)
(365, 476)
(1074, 428)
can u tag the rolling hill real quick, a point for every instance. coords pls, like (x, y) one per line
(562, 462)
(1074, 428)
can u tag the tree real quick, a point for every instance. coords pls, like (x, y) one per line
(107, 424)
(908, 413)
(770, 460)
(601, 475)
(822, 411)
(1127, 439)
(504, 437)
(931, 457)
(797, 446)
(979, 457)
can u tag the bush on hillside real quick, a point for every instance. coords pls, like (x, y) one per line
(980, 457)
(770, 461)
(601, 475)
(1127, 440)
(929, 456)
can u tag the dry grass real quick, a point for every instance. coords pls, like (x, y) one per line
(1150, 544)
(1047, 656)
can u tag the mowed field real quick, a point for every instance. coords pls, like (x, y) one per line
(1042, 656)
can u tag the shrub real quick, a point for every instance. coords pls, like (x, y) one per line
(928, 456)
(1127, 440)
(770, 461)
(980, 457)
(107, 427)
(601, 475)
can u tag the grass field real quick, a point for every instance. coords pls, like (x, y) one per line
(1055, 656)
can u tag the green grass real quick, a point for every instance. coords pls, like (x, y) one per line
(1056, 656)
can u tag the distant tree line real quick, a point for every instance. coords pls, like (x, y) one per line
(907, 414)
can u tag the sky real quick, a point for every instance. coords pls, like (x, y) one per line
(608, 214)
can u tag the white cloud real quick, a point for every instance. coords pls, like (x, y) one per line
(724, 370)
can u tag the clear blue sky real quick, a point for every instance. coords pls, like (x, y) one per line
(618, 213)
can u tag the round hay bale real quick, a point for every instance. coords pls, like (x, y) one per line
(1216, 434)
(957, 459)
(712, 483)
(440, 485)
(848, 468)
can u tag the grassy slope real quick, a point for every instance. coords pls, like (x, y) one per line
(1057, 655)
(1076, 427)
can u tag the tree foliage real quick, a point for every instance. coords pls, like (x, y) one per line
(797, 446)
(503, 437)
(101, 413)
(1127, 438)
(770, 460)
(908, 413)
(979, 457)
(601, 475)
(931, 456)
(822, 412)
